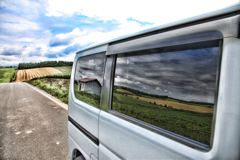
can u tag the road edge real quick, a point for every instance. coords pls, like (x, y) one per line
(52, 98)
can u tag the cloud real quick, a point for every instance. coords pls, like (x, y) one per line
(70, 49)
(51, 55)
(206, 78)
(59, 42)
(66, 39)
(15, 23)
(11, 51)
(154, 11)
(37, 52)
(25, 46)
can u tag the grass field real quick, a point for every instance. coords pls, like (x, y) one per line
(6, 74)
(194, 125)
(188, 119)
(64, 68)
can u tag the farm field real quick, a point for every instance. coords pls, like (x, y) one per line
(169, 102)
(189, 119)
(6, 74)
(176, 105)
(27, 74)
(194, 125)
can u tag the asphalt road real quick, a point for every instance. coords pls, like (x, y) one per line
(31, 125)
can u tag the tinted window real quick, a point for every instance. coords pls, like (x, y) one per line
(88, 79)
(172, 90)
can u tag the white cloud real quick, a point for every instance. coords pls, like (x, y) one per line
(154, 11)
(158, 89)
(15, 23)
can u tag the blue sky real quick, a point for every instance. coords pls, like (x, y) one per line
(41, 30)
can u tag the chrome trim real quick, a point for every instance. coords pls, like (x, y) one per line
(107, 83)
(97, 49)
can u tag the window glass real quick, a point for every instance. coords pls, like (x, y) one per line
(88, 79)
(172, 90)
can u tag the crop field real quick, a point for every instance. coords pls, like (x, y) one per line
(194, 125)
(6, 74)
(177, 105)
(27, 74)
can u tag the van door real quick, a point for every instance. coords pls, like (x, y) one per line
(84, 103)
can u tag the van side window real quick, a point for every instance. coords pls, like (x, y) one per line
(173, 90)
(88, 78)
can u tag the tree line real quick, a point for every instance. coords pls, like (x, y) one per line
(44, 64)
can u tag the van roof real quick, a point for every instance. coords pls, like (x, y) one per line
(222, 13)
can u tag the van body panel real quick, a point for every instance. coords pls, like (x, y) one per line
(134, 142)
(81, 140)
(85, 115)
(106, 154)
(72, 145)
(206, 31)
(228, 110)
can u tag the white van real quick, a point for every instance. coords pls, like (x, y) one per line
(170, 92)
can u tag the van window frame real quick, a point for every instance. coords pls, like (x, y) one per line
(174, 136)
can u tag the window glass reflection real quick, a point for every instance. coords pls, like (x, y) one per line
(173, 90)
(88, 79)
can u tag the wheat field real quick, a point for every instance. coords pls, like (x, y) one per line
(27, 74)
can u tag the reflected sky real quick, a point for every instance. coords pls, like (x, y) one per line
(187, 75)
(90, 67)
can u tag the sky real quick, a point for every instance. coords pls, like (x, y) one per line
(46, 30)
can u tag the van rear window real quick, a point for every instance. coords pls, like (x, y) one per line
(88, 78)
(171, 90)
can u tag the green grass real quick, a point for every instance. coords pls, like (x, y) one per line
(55, 90)
(6, 74)
(64, 68)
(196, 126)
(93, 100)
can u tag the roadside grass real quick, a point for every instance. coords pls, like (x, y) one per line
(54, 89)
(6, 74)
